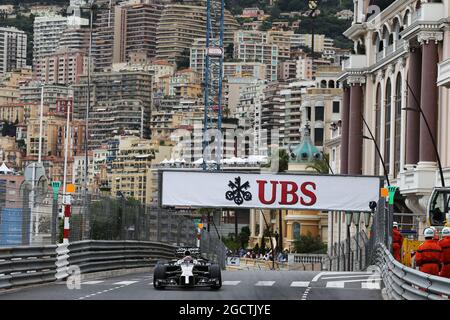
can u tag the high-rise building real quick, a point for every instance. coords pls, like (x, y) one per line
(64, 67)
(181, 24)
(121, 29)
(13, 49)
(244, 69)
(75, 38)
(253, 46)
(113, 94)
(103, 37)
(30, 94)
(47, 33)
(321, 42)
(132, 168)
(135, 29)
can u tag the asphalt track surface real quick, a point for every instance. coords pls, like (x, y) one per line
(237, 285)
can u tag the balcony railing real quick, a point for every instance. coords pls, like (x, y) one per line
(356, 61)
(429, 12)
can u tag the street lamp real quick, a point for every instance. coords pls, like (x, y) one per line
(348, 220)
(367, 215)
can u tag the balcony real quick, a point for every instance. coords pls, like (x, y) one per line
(430, 12)
(444, 73)
(418, 181)
(356, 61)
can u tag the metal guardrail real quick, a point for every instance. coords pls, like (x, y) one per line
(26, 265)
(405, 283)
(93, 256)
(20, 266)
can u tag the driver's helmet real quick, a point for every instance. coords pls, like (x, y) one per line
(187, 256)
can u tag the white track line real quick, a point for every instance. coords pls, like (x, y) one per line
(265, 283)
(230, 283)
(125, 282)
(345, 277)
(300, 284)
(93, 282)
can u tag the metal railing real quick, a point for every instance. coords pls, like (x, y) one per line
(345, 258)
(404, 283)
(93, 256)
(27, 265)
(20, 266)
(212, 248)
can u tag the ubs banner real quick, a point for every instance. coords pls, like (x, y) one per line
(282, 191)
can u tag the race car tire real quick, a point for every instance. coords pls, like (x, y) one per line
(215, 273)
(159, 274)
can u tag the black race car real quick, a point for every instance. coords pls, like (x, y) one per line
(188, 271)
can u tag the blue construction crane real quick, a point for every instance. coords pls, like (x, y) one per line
(213, 76)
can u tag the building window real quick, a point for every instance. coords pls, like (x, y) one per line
(387, 127)
(296, 230)
(318, 113)
(318, 137)
(308, 113)
(336, 106)
(398, 115)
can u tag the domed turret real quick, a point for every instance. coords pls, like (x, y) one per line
(306, 151)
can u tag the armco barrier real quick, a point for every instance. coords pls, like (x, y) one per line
(20, 266)
(94, 256)
(405, 283)
(26, 265)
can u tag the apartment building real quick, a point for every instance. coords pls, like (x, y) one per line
(185, 84)
(111, 91)
(65, 66)
(321, 42)
(53, 137)
(259, 52)
(132, 168)
(181, 24)
(13, 49)
(135, 25)
(244, 69)
(103, 36)
(48, 32)
(116, 117)
(30, 94)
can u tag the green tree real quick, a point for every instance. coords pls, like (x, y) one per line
(309, 244)
(320, 165)
(266, 25)
(244, 237)
(182, 61)
(283, 161)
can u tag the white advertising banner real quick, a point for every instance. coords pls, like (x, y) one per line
(268, 191)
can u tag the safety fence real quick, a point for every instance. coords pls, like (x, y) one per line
(348, 255)
(32, 218)
(212, 248)
(404, 283)
(21, 266)
(360, 251)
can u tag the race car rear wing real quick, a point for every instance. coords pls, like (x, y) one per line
(193, 251)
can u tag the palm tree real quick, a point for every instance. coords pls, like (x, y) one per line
(320, 165)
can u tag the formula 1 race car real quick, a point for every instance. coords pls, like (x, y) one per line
(187, 272)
